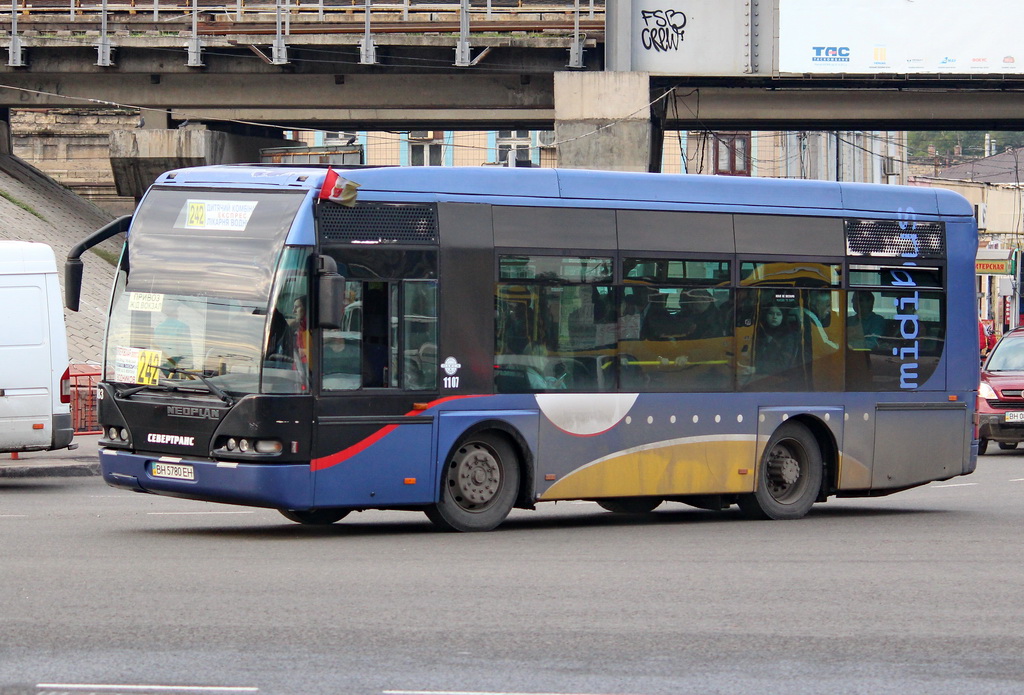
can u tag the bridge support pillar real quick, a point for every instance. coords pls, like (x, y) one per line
(6, 145)
(155, 119)
(603, 120)
(137, 157)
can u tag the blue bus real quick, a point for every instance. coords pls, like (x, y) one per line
(465, 341)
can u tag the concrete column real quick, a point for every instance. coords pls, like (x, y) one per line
(603, 121)
(155, 119)
(137, 157)
(618, 33)
(6, 144)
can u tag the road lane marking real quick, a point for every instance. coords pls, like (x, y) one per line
(473, 692)
(164, 688)
(192, 513)
(13, 516)
(956, 485)
(1016, 480)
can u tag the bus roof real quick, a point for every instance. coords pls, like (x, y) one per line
(600, 187)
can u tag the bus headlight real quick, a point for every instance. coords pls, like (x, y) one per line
(251, 446)
(115, 434)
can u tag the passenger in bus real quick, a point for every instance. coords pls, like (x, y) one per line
(776, 343)
(820, 305)
(512, 329)
(173, 337)
(699, 311)
(818, 316)
(864, 327)
(280, 345)
(300, 330)
(659, 323)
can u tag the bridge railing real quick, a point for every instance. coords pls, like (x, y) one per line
(27, 12)
(32, 21)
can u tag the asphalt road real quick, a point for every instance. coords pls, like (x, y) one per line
(920, 592)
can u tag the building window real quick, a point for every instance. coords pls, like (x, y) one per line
(426, 148)
(421, 155)
(340, 137)
(513, 147)
(522, 153)
(732, 154)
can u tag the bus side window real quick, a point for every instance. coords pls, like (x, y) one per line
(419, 337)
(341, 351)
(894, 338)
(823, 335)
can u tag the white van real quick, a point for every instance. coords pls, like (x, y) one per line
(35, 389)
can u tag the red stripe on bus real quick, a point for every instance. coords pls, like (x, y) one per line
(334, 459)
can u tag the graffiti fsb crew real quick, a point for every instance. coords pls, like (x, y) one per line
(663, 29)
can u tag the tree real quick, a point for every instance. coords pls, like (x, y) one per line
(972, 142)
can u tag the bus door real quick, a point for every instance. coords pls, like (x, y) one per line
(374, 436)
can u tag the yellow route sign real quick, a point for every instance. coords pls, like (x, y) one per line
(147, 373)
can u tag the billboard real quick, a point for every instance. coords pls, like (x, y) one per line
(901, 37)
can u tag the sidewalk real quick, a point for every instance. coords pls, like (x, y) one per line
(50, 464)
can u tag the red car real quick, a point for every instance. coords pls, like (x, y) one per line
(1001, 394)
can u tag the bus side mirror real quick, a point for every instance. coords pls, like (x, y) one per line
(331, 293)
(73, 270)
(73, 267)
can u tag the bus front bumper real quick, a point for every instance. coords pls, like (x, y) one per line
(277, 486)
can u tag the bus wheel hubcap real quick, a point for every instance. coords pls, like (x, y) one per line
(783, 471)
(474, 477)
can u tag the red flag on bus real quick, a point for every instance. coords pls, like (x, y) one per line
(338, 189)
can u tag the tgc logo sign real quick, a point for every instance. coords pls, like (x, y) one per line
(830, 54)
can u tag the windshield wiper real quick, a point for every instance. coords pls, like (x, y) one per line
(203, 376)
(131, 391)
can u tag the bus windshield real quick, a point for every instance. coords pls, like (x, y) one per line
(190, 305)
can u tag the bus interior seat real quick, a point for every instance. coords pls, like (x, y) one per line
(512, 379)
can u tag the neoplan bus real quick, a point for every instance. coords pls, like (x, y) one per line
(463, 342)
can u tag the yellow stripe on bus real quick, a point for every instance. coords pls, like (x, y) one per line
(687, 466)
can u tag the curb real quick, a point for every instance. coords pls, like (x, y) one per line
(46, 470)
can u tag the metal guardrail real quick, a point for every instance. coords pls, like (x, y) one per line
(240, 9)
(327, 16)
(84, 418)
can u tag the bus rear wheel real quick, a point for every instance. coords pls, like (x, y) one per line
(479, 485)
(629, 505)
(789, 477)
(314, 517)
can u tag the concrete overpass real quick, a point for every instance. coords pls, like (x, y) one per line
(546, 68)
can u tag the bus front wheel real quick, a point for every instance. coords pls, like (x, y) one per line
(789, 477)
(479, 485)
(314, 517)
